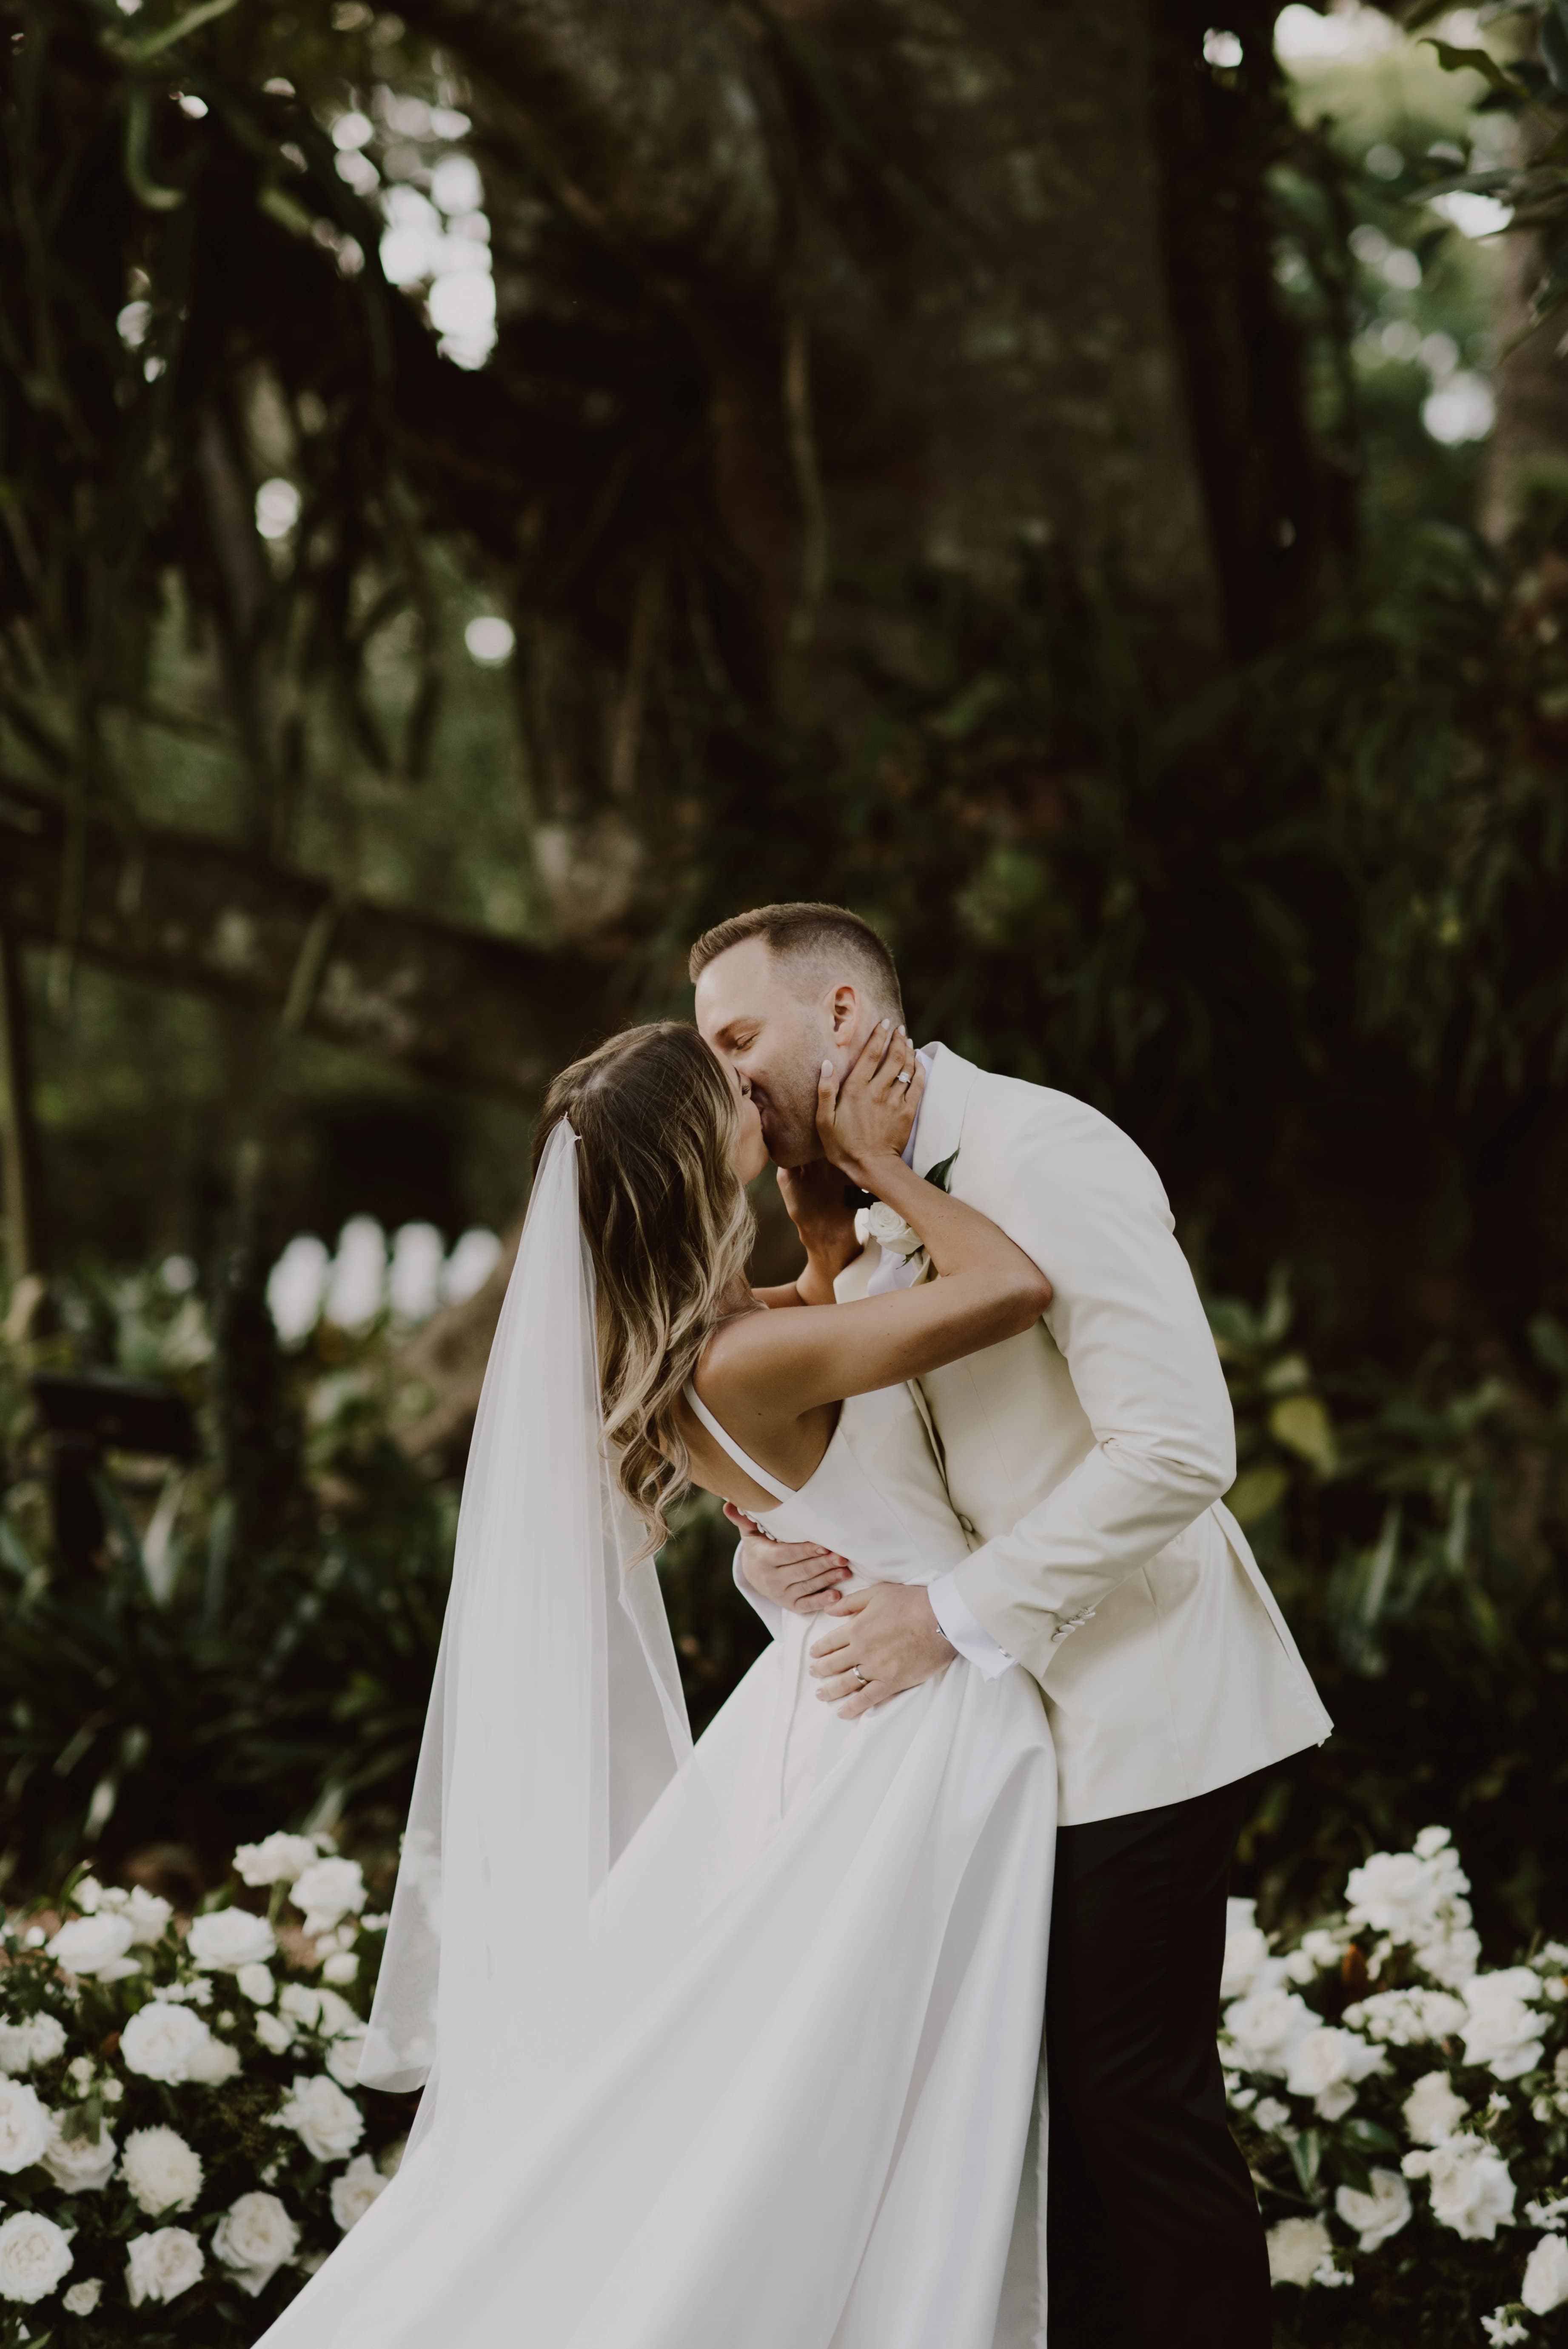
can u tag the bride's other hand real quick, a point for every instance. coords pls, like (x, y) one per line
(798, 1576)
(814, 1198)
(869, 1118)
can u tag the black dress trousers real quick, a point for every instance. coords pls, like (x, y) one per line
(1154, 2239)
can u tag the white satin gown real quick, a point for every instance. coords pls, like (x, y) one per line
(809, 2112)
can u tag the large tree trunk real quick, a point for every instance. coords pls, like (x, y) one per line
(1530, 440)
(916, 248)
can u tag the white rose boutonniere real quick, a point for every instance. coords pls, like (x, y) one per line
(893, 1234)
(898, 1241)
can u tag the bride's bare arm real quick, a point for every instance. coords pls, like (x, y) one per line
(772, 1368)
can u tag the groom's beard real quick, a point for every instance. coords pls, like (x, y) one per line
(789, 1115)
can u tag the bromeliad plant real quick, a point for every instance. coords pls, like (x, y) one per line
(1404, 2112)
(182, 2136)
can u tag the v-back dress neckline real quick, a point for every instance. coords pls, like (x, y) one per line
(743, 1460)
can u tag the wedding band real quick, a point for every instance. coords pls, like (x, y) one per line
(860, 1675)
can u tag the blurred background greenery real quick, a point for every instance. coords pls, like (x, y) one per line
(1094, 497)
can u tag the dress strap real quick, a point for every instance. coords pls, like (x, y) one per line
(741, 1459)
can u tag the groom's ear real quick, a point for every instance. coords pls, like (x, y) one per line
(844, 1008)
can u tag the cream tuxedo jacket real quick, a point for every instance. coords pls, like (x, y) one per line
(1086, 1459)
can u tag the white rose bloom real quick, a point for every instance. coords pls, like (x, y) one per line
(343, 2056)
(1419, 1897)
(1432, 2111)
(1297, 2249)
(161, 2265)
(38, 2040)
(213, 2064)
(1379, 2213)
(887, 1228)
(95, 1947)
(278, 1859)
(228, 1939)
(1271, 2114)
(343, 1966)
(164, 2042)
(1327, 2064)
(1326, 1945)
(336, 2016)
(1548, 2215)
(275, 2031)
(160, 2170)
(1453, 1956)
(89, 1894)
(79, 2164)
(1394, 1893)
(1262, 2029)
(1409, 2018)
(327, 1890)
(1500, 2030)
(300, 2004)
(35, 2256)
(254, 2238)
(1545, 2285)
(354, 2189)
(83, 2298)
(328, 2123)
(256, 1983)
(23, 2126)
(1246, 1948)
(1472, 2190)
(147, 1915)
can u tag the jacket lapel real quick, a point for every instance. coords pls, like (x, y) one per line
(942, 1112)
(936, 1137)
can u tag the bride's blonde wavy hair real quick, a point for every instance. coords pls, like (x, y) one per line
(669, 1228)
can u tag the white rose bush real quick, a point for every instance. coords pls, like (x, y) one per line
(183, 2138)
(1404, 2113)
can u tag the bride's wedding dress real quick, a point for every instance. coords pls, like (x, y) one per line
(795, 2100)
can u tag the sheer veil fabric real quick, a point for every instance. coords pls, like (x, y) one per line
(556, 1718)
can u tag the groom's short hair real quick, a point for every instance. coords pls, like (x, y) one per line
(815, 933)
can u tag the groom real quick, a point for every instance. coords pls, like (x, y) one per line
(1086, 1460)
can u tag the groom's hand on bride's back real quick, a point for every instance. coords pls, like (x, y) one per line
(799, 1576)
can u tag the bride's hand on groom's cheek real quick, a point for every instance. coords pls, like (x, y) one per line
(799, 1576)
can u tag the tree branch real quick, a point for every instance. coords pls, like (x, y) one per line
(461, 1008)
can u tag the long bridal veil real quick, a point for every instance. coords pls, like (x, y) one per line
(556, 1719)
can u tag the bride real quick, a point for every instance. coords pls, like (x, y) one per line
(731, 2046)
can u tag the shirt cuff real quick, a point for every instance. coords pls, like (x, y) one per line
(959, 1625)
(771, 1614)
